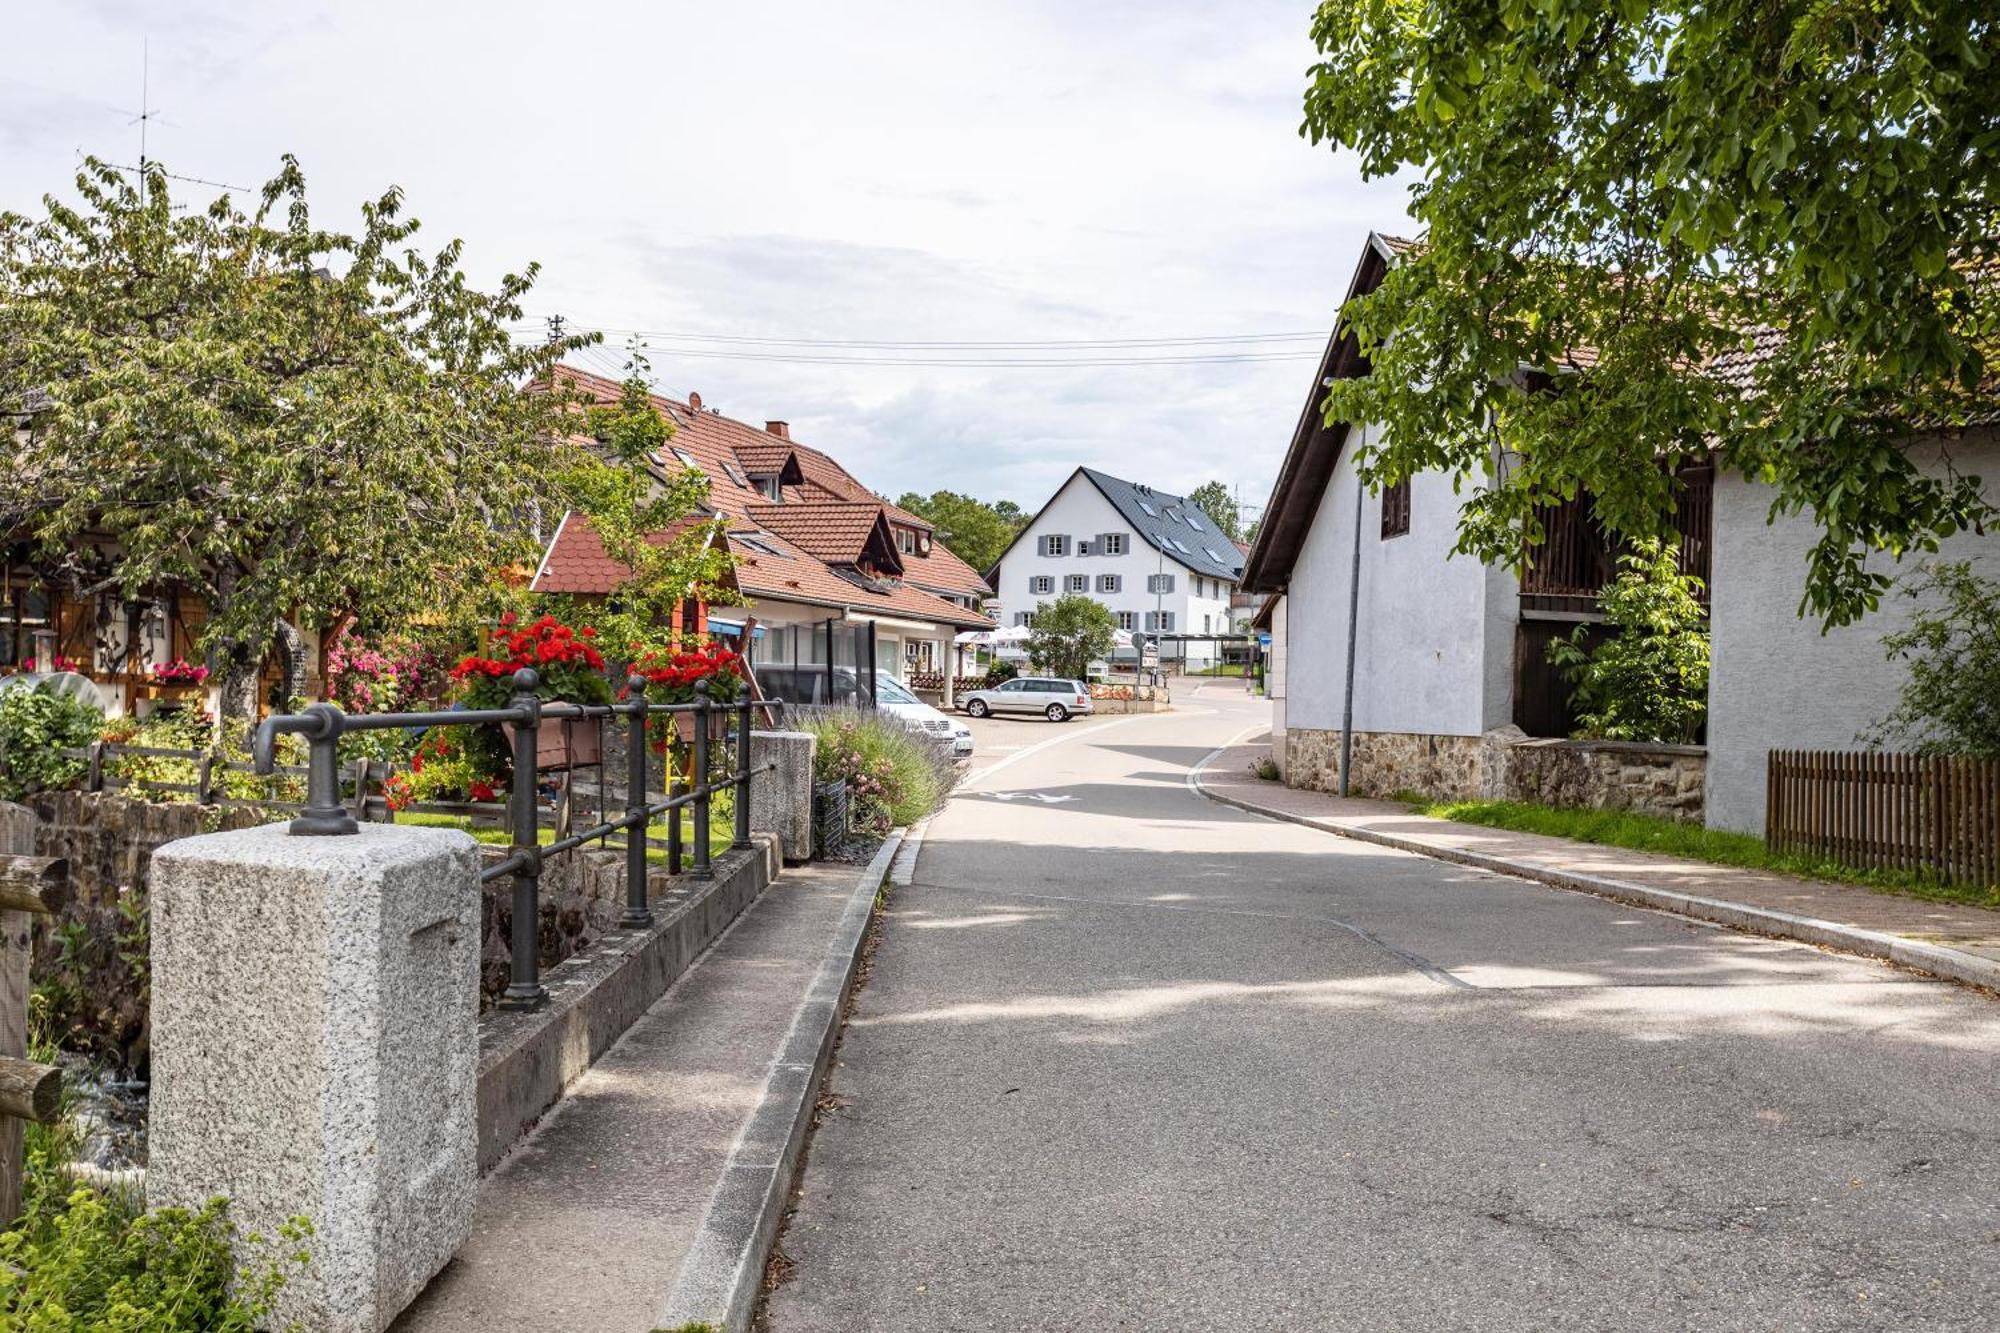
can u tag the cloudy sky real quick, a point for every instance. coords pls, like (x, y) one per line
(721, 176)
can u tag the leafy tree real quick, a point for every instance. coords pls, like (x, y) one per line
(635, 510)
(972, 530)
(1214, 499)
(1068, 633)
(1620, 202)
(1951, 701)
(36, 726)
(285, 419)
(1649, 680)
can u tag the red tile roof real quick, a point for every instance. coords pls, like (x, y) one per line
(826, 519)
(834, 531)
(577, 562)
(784, 572)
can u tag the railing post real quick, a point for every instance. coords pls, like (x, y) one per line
(674, 826)
(704, 709)
(524, 983)
(742, 776)
(637, 913)
(324, 813)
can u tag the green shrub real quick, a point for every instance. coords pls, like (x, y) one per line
(34, 728)
(1649, 680)
(893, 775)
(92, 1263)
(1951, 699)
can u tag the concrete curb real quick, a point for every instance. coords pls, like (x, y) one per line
(722, 1277)
(1932, 959)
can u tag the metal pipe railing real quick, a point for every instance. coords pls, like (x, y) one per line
(323, 724)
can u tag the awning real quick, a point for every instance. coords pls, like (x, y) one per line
(722, 625)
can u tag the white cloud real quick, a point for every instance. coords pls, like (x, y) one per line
(860, 171)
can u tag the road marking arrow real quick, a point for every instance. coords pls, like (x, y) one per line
(1043, 797)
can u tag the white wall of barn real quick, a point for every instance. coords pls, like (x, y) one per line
(1777, 682)
(1435, 649)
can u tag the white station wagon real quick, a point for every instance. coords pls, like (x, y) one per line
(1053, 697)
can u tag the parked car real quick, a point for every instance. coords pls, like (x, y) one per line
(1053, 697)
(892, 696)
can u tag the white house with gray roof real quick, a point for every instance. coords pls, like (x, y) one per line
(1154, 559)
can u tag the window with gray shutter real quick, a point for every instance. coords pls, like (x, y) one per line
(1109, 583)
(1159, 583)
(1111, 543)
(1076, 583)
(1055, 543)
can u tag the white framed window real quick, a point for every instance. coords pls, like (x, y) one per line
(1042, 583)
(1054, 543)
(1076, 583)
(1128, 620)
(1207, 625)
(1110, 583)
(1111, 543)
(1159, 583)
(1021, 619)
(1160, 622)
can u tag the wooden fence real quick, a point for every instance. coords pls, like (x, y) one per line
(1879, 811)
(361, 780)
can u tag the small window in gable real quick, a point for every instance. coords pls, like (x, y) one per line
(1396, 509)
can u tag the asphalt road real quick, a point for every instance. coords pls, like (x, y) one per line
(1128, 1059)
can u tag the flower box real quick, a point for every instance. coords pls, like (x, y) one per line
(718, 725)
(562, 743)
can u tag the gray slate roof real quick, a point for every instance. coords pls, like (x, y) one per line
(1172, 525)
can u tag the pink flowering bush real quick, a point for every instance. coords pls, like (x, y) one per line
(391, 676)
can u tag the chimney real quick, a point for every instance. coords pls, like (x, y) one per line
(781, 429)
(694, 401)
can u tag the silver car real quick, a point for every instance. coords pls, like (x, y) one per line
(1053, 697)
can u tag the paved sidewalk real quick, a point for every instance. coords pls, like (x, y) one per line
(1947, 939)
(591, 1219)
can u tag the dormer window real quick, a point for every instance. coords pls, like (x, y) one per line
(906, 541)
(773, 488)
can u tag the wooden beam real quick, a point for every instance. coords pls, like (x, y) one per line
(29, 1091)
(33, 883)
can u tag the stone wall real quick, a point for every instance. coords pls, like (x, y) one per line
(1386, 762)
(1651, 779)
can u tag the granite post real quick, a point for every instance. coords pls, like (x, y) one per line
(316, 1052)
(781, 800)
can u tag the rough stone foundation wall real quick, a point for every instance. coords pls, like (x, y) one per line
(1386, 762)
(1664, 780)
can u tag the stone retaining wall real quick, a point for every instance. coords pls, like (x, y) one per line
(1386, 762)
(1653, 779)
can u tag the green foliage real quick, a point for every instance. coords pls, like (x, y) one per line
(34, 727)
(1214, 499)
(972, 530)
(272, 414)
(1951, 700)
(1649, 680)
(90, 1263)
(1670, 837)
(633, 507)
(1068, 632)
(1609, 193)
(893, 775)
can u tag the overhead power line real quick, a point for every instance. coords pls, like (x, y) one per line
(656, 337)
